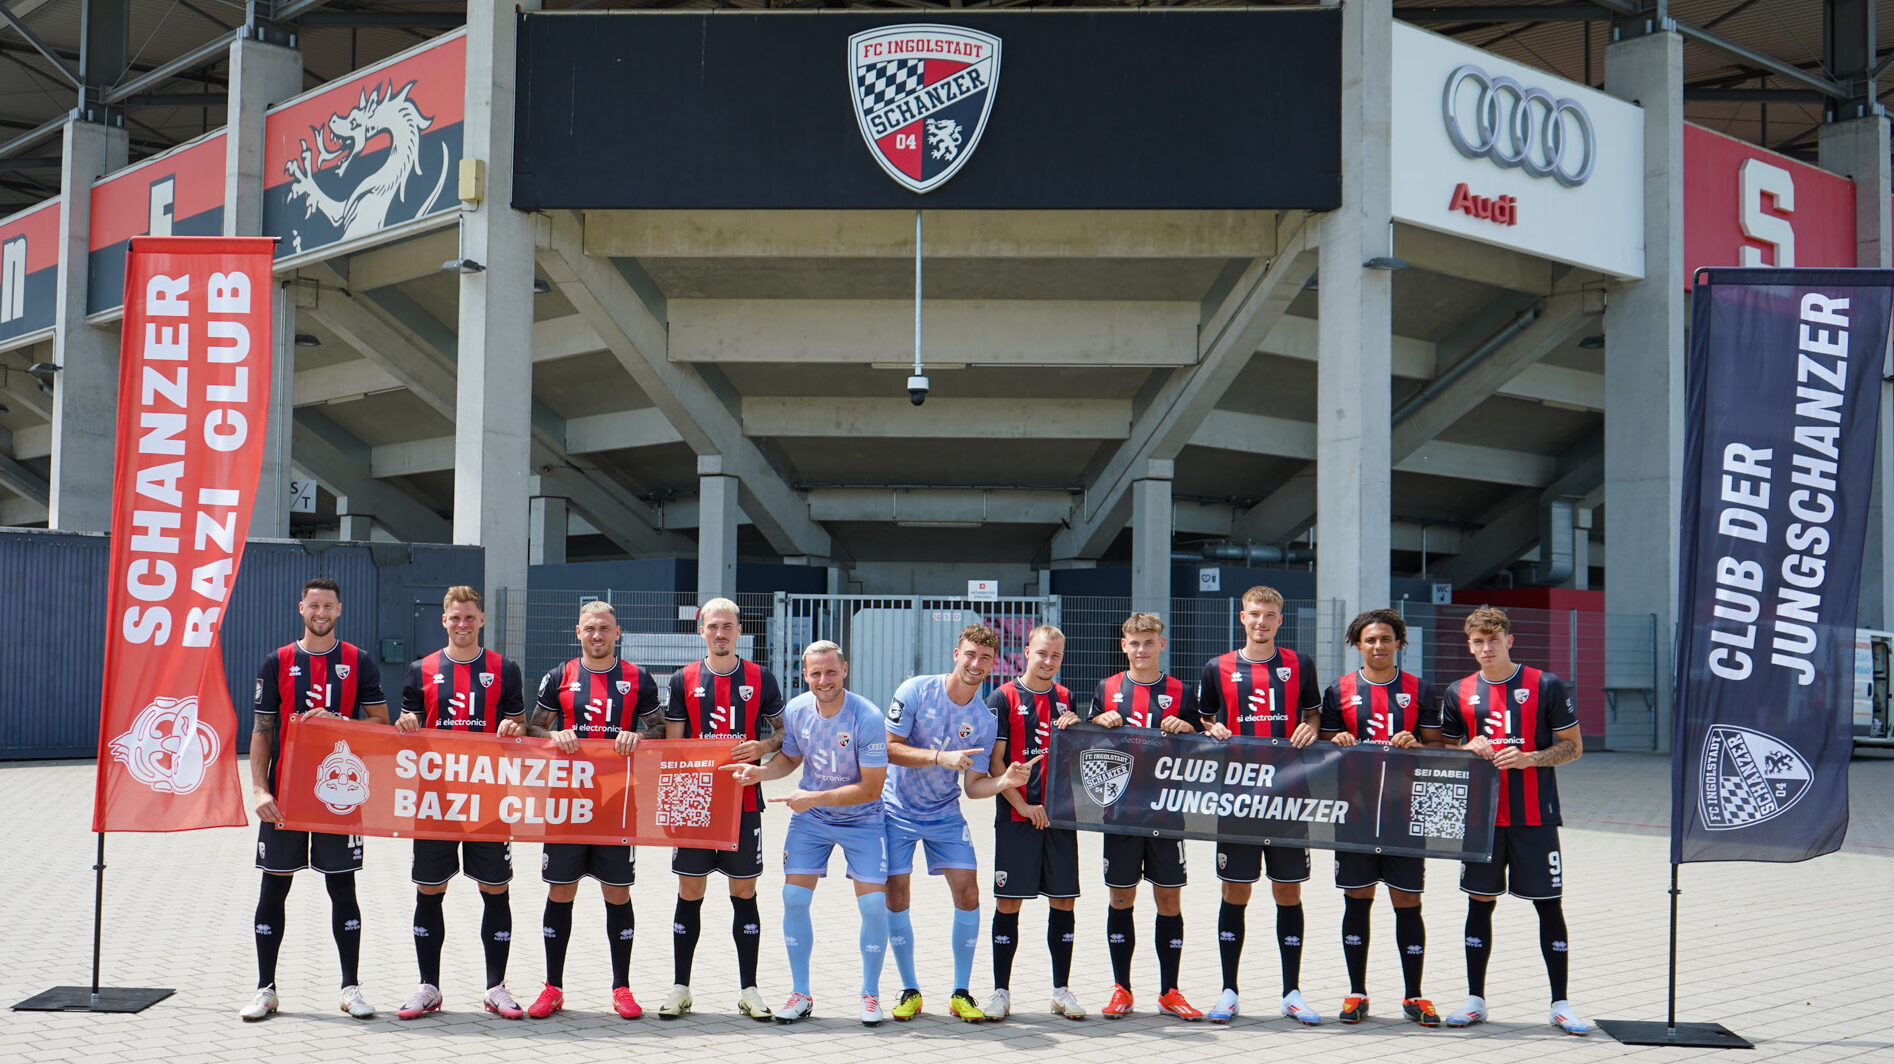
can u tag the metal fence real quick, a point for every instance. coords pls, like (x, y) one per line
(1610, 660)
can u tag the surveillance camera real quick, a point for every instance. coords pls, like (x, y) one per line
(917, 390)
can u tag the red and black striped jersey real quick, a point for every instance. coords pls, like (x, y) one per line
(469, 696)
(1523, 710)
(341, 680)
(728, 706)
(1143, 705)
(1377, 712)
(1023, 726)
(1266, 699)
(598, 705)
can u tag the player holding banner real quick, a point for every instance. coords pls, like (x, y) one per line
(316, 676)
(462, 688)
(837, 737)
(1270, 692)
(1522, 720)
(1379, 705)
(1144, 697)
(593, 696)
(1031, 857)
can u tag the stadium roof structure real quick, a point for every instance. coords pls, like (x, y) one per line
(1764, 71)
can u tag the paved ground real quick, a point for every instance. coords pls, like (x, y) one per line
(1792, 956)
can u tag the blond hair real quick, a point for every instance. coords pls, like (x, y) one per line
(823, 646)
(596, 607)
(1140, 623)
(461, 593)
(1045, 630)
(719, 605)
(1262, 595)
(1487, 620)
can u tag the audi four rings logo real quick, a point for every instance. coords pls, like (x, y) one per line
(1515, 126)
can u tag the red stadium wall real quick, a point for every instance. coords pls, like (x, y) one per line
(1561, 630)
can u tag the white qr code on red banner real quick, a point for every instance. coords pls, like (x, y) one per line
(1439, 811)
(684, 799)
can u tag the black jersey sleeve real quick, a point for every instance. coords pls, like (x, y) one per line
(269, 695)
(548, 697)
(1555, 703)
(1429, 704)
(1209, 691)
(674, 704)
(1188, 712)
(411, 700)
(996, 704)
(1332, 708)
(1098, 701)
(645, 713)
(1453, 725)
(512, 689)
(1308, 694)
(772, 706)
(368, 690)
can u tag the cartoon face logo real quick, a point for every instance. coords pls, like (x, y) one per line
(341, 780)
(167, 748)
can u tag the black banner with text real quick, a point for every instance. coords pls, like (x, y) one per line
(1371, 799)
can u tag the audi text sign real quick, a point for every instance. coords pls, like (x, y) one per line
(1510, 155)
(1089, 110)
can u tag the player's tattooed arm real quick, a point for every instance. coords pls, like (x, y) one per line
(774, 740)
(1568, 745)
(539, 723)
(652, 725)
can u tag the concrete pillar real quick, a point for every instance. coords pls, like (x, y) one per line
(1858, 150)
(85, 392)
(1151, 541)
(1644, 365)
(546, 531)
(356, 528)
(717, 516)
(260, 75)
(1354, 337)
(493, 403)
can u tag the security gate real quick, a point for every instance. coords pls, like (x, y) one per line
(889, 638)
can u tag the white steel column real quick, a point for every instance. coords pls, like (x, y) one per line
(260, 75)
(493, 403)
(1644, 365)
(546, 531)
(85, 391)
(1354, 334)
(1850, 148)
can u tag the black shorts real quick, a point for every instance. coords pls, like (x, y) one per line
(1239, 862)
(437, 860)
(569, 862)
(1129, 858)
(1029, 861)
(283, 850)
(1525, 864)
(744, 862)
(1354, 870)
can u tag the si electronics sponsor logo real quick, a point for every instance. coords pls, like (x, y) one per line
(922, 95)
(1748, 777)
(1105, 775)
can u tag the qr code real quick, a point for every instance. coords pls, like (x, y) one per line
(683, 799)
(1439, 811)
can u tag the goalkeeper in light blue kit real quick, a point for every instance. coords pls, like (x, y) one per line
(837, 737)
(939, 734)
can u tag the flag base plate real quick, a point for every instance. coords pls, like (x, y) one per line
(1683, 1036)
(80, 999)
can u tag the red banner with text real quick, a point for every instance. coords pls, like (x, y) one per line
(348, 778)
(193, 399)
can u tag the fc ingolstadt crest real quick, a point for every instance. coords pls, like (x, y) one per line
(922, 95)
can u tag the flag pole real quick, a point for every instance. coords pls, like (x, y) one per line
(98, 917)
